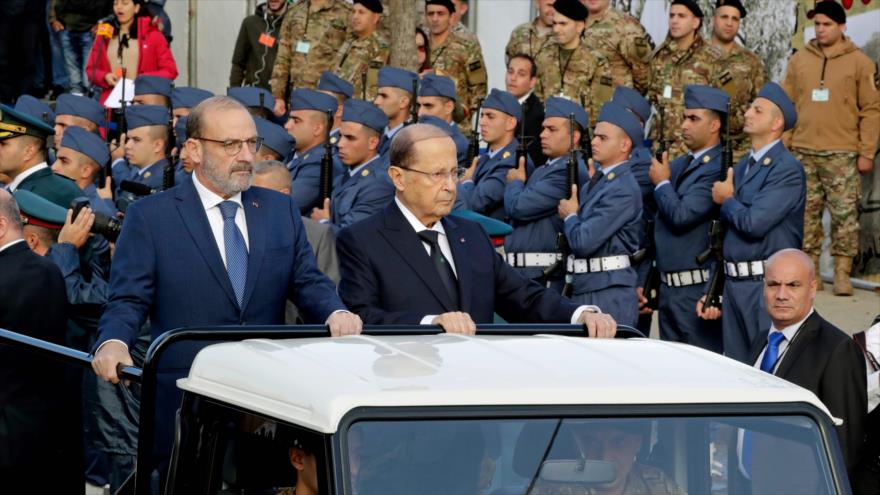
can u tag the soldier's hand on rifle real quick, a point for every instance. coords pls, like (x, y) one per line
(722, 191)
(643, 302)
(865, 165)
(105, 192)
(319, 214)
(280, 107)
(469, 172)
(518, 173)
(109, 356)
(707, 313)
(77, 231)
(659, 171)
(569, 206)
(117, 149)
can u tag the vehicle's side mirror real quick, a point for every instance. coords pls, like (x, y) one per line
(580, 472)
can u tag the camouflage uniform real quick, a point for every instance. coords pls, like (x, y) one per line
(674, 69)
(327, 25)
(464, 32)
(462, 61)
(527, 38)
(742, 76)
(641, 480)
(623, 41)
(356, 56)
(580, 75)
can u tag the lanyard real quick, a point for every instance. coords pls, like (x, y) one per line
(822, 77)
(563, 69)
(308, 13)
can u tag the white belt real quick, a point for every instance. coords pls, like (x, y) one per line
(685, 278)
(593, 265)
(744, 269)
(532, 260)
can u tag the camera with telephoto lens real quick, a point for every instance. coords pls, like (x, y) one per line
(106, 226)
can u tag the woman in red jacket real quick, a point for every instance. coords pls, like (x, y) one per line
(135, 44)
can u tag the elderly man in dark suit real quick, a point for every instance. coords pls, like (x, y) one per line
(803, 348)
(413, 264)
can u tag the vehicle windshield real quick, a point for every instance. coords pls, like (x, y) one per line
(568, 456)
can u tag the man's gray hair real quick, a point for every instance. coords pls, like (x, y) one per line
(271, 166)
(402, 150)
(9, 210)
(195, 121)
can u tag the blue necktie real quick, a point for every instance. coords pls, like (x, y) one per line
(772, 353)
(236, 250)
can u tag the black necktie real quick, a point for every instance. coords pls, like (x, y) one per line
(749, 166)
(593, 180)
(683, 174)
(447, 276)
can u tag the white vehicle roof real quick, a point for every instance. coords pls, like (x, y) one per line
(315, 382)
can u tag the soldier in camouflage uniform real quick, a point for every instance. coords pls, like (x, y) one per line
(568, 68)
(458, 27)
(363, 52)
(530, 37)
(305, 26)
(621, 40)
(742, 71)
(455, 57)
(684, 58)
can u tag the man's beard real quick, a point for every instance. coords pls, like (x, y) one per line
(228, 185)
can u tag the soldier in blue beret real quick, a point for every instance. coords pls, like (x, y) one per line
(683, 193)
(531, 201)
(437, 98)
(185, 98)
(81, 156)
(762, 205)
(29, 105)
(482, 187)
(23, 154)
(71, 109)
(394, 95)
(340, 89)
(277, 142)
(259, 101)
(309, 125)
(144, 149)
(603, 220)
(364, 188)
(152, 90)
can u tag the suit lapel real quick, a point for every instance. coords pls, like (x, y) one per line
(802, 339)
(762, 167)
(690, 170)
(257, 238)
(459, 248)
(400, 235)
(196, 222)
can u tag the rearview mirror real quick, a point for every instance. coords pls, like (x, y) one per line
(578, 471)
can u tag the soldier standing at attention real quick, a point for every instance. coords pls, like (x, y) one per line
(569, 68)
(834, 86)
(623, 41)
(684, 58)
(305, 25)
(529, 38)
(395, 98)
(455, 57)
(743, 72)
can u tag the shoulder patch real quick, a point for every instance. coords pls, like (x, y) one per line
(376, 64)
(475, 66)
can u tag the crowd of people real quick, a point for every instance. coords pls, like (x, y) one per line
(611, 167)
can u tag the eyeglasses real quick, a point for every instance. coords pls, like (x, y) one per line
(233, 146)
(436, 177)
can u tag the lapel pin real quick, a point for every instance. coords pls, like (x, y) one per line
(255, 204)
(461, 240)
(766, 161)
(505, 155)
(706, 159)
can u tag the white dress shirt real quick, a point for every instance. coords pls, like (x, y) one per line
(790, 332)
(12, 186)
(872, 344)
(211, 202)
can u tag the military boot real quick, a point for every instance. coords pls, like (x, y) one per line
(842, 269)
(819, 284)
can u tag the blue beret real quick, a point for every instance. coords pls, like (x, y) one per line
(563, 107)
(144, 115)
(434, 85)
(274, 137)
(776, 94)
(310, 99)
(364, 112)
(436, 122)
(503, 102)
(249, 96)
(395, 77)
(152, 85)
(697, 96)
(29, 105)
(187, 97)
(87, 143)
(633, 101)
(616, 114)
(80, 106)
(14, 124)
(39, 211)
(180, 132)
(335, 84)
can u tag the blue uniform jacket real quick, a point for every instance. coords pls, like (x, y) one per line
(387, 276)
(608, 223)
(461, 145)
(305, 170)
(641, 163)
(684, 210)
(362, 195)
(766, 213)
(533, 209)
(484, 193)
(99, 204)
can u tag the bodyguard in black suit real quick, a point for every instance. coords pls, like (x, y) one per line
(806, 350)
(520, 81)
(40, 426)
(412, 264)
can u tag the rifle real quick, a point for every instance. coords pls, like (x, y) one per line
(168, 171)
(364, 84)
(325, 184)
(662, 143)
(474, 145)
(651, 288)
(414, 103)
(571, 168)
(521, 148)
(586, 138)
(715, 289)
